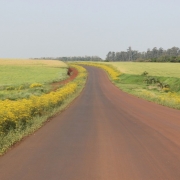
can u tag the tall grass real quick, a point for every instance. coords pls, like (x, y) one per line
(29, 62)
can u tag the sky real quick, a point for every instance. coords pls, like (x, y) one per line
(56, 28)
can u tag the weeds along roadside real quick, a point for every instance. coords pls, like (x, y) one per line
(22, 117)
(111, 71)
(134, 84)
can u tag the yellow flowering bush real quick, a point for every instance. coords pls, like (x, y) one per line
(166, 89)
(21, 87)
(170, 99)
(34, 85)
(14, 113)
(112, 72)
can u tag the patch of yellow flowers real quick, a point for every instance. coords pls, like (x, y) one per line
(13, 113)
(170, 99)
(112, 72)
(34, 85)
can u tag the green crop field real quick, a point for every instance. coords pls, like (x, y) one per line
(154, 69)
(16, 76)
(18, 72)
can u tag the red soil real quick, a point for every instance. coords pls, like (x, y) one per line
(72, 72)
(105, 134)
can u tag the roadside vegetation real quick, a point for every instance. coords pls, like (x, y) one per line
(141, 79)
(22, 116)
(112, 71)
(159, 89)
(157, 82)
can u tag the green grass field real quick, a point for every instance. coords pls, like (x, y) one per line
(154, 69)
(18, 72)
(15, 74)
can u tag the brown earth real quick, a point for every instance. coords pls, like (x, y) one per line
(105, 134)
(73, 74)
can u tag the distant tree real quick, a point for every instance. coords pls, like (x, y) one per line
(154, 55)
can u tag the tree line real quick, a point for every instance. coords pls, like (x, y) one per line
(151, 55)
(75, 58)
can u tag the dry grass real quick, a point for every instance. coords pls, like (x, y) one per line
(31, 62)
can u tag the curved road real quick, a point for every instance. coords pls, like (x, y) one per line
(105, 134)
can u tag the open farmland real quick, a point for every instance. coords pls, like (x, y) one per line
(105, 134)
(18, 72)
(154, 69)
(89, 90)
(21, 115)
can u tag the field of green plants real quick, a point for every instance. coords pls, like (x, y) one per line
(154, 69)
(13, 73)
(23, 78)
(18, 75)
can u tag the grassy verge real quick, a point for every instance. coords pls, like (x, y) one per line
(25, 93)
(21, 131)
(135, 83)
(131, 82)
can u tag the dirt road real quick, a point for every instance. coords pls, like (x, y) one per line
(105, 134)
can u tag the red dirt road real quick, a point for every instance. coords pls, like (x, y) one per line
(105, 134)
(74, 73)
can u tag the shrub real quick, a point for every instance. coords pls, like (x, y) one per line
(10, 88)
(34, 85)
(21, 87)
(145, 73)
(166, 89)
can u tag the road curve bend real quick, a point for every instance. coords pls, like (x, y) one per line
(105, 134)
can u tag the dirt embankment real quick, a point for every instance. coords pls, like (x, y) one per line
(72, 72)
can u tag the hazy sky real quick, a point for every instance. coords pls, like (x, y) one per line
(39, 28)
